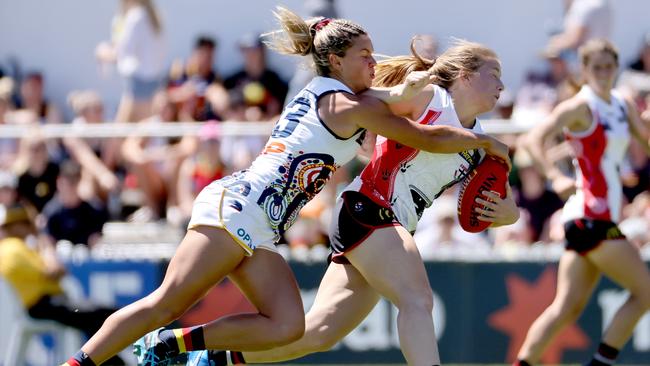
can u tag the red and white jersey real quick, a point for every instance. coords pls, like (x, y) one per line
(598, 154)
(407, 179)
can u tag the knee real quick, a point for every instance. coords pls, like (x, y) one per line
(418, 300)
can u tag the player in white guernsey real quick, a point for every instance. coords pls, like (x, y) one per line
(597, 122)
(373, 251)
(237, 220)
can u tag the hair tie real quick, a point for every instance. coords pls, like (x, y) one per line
(322, 23)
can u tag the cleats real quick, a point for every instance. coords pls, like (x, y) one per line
(151, 351)
(198, 358)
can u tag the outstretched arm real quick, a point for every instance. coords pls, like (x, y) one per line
(374, 115)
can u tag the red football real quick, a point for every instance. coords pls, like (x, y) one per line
(490, 175)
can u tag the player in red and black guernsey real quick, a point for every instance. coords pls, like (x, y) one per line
(374, 253)
(597, 122)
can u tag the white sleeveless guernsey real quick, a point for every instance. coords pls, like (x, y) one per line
(598, 154)
(407, 179)
(258, 204)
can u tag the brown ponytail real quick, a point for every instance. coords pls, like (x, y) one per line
(316, 36)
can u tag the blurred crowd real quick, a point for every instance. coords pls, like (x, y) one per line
(72, 186)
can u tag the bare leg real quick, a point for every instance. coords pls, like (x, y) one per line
(577, 278)
(267, 281)
(343, 300)
(205, 256)
(620, 261)
(391, 263)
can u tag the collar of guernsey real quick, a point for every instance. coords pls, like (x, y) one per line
(300, 156)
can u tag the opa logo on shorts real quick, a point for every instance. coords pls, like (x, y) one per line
(244, 235)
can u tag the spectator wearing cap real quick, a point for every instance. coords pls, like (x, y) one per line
(67, 215)
(259, 86)
(200, 169)
(196, 87)
(31, 267)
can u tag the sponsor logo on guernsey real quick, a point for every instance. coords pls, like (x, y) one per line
(244, 236)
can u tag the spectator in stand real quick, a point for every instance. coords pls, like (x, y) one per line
(31, 97)
(34, 272)
(154, 163)
(635, 79)
(198, 170)
(8, 146)
(67, 216)
(196, 87)
(635, 82)
(583, 20)
(259, 86)
(533, 196)
(541, 91)
(138, 48)
(427, 46)
(8, 185)
(439, 231)
(37, 172)
(97, 157)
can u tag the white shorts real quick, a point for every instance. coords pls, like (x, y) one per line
(242, 218)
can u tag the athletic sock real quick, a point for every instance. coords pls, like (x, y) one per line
(80, 358)
(521, 363)
(183, 339)
(225, 358)
(605, 356)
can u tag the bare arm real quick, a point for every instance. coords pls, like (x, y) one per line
(638, 128)
(84, 155)
(573, 114)
(570, 39)
(345, 114)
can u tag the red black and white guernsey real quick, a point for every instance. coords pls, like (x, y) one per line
(598, 154)
(407, 180)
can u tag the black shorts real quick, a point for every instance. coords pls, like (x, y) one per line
(355, 218)
(583, 235)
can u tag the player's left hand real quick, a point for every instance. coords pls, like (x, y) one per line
(415, 82)
(499, 211)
